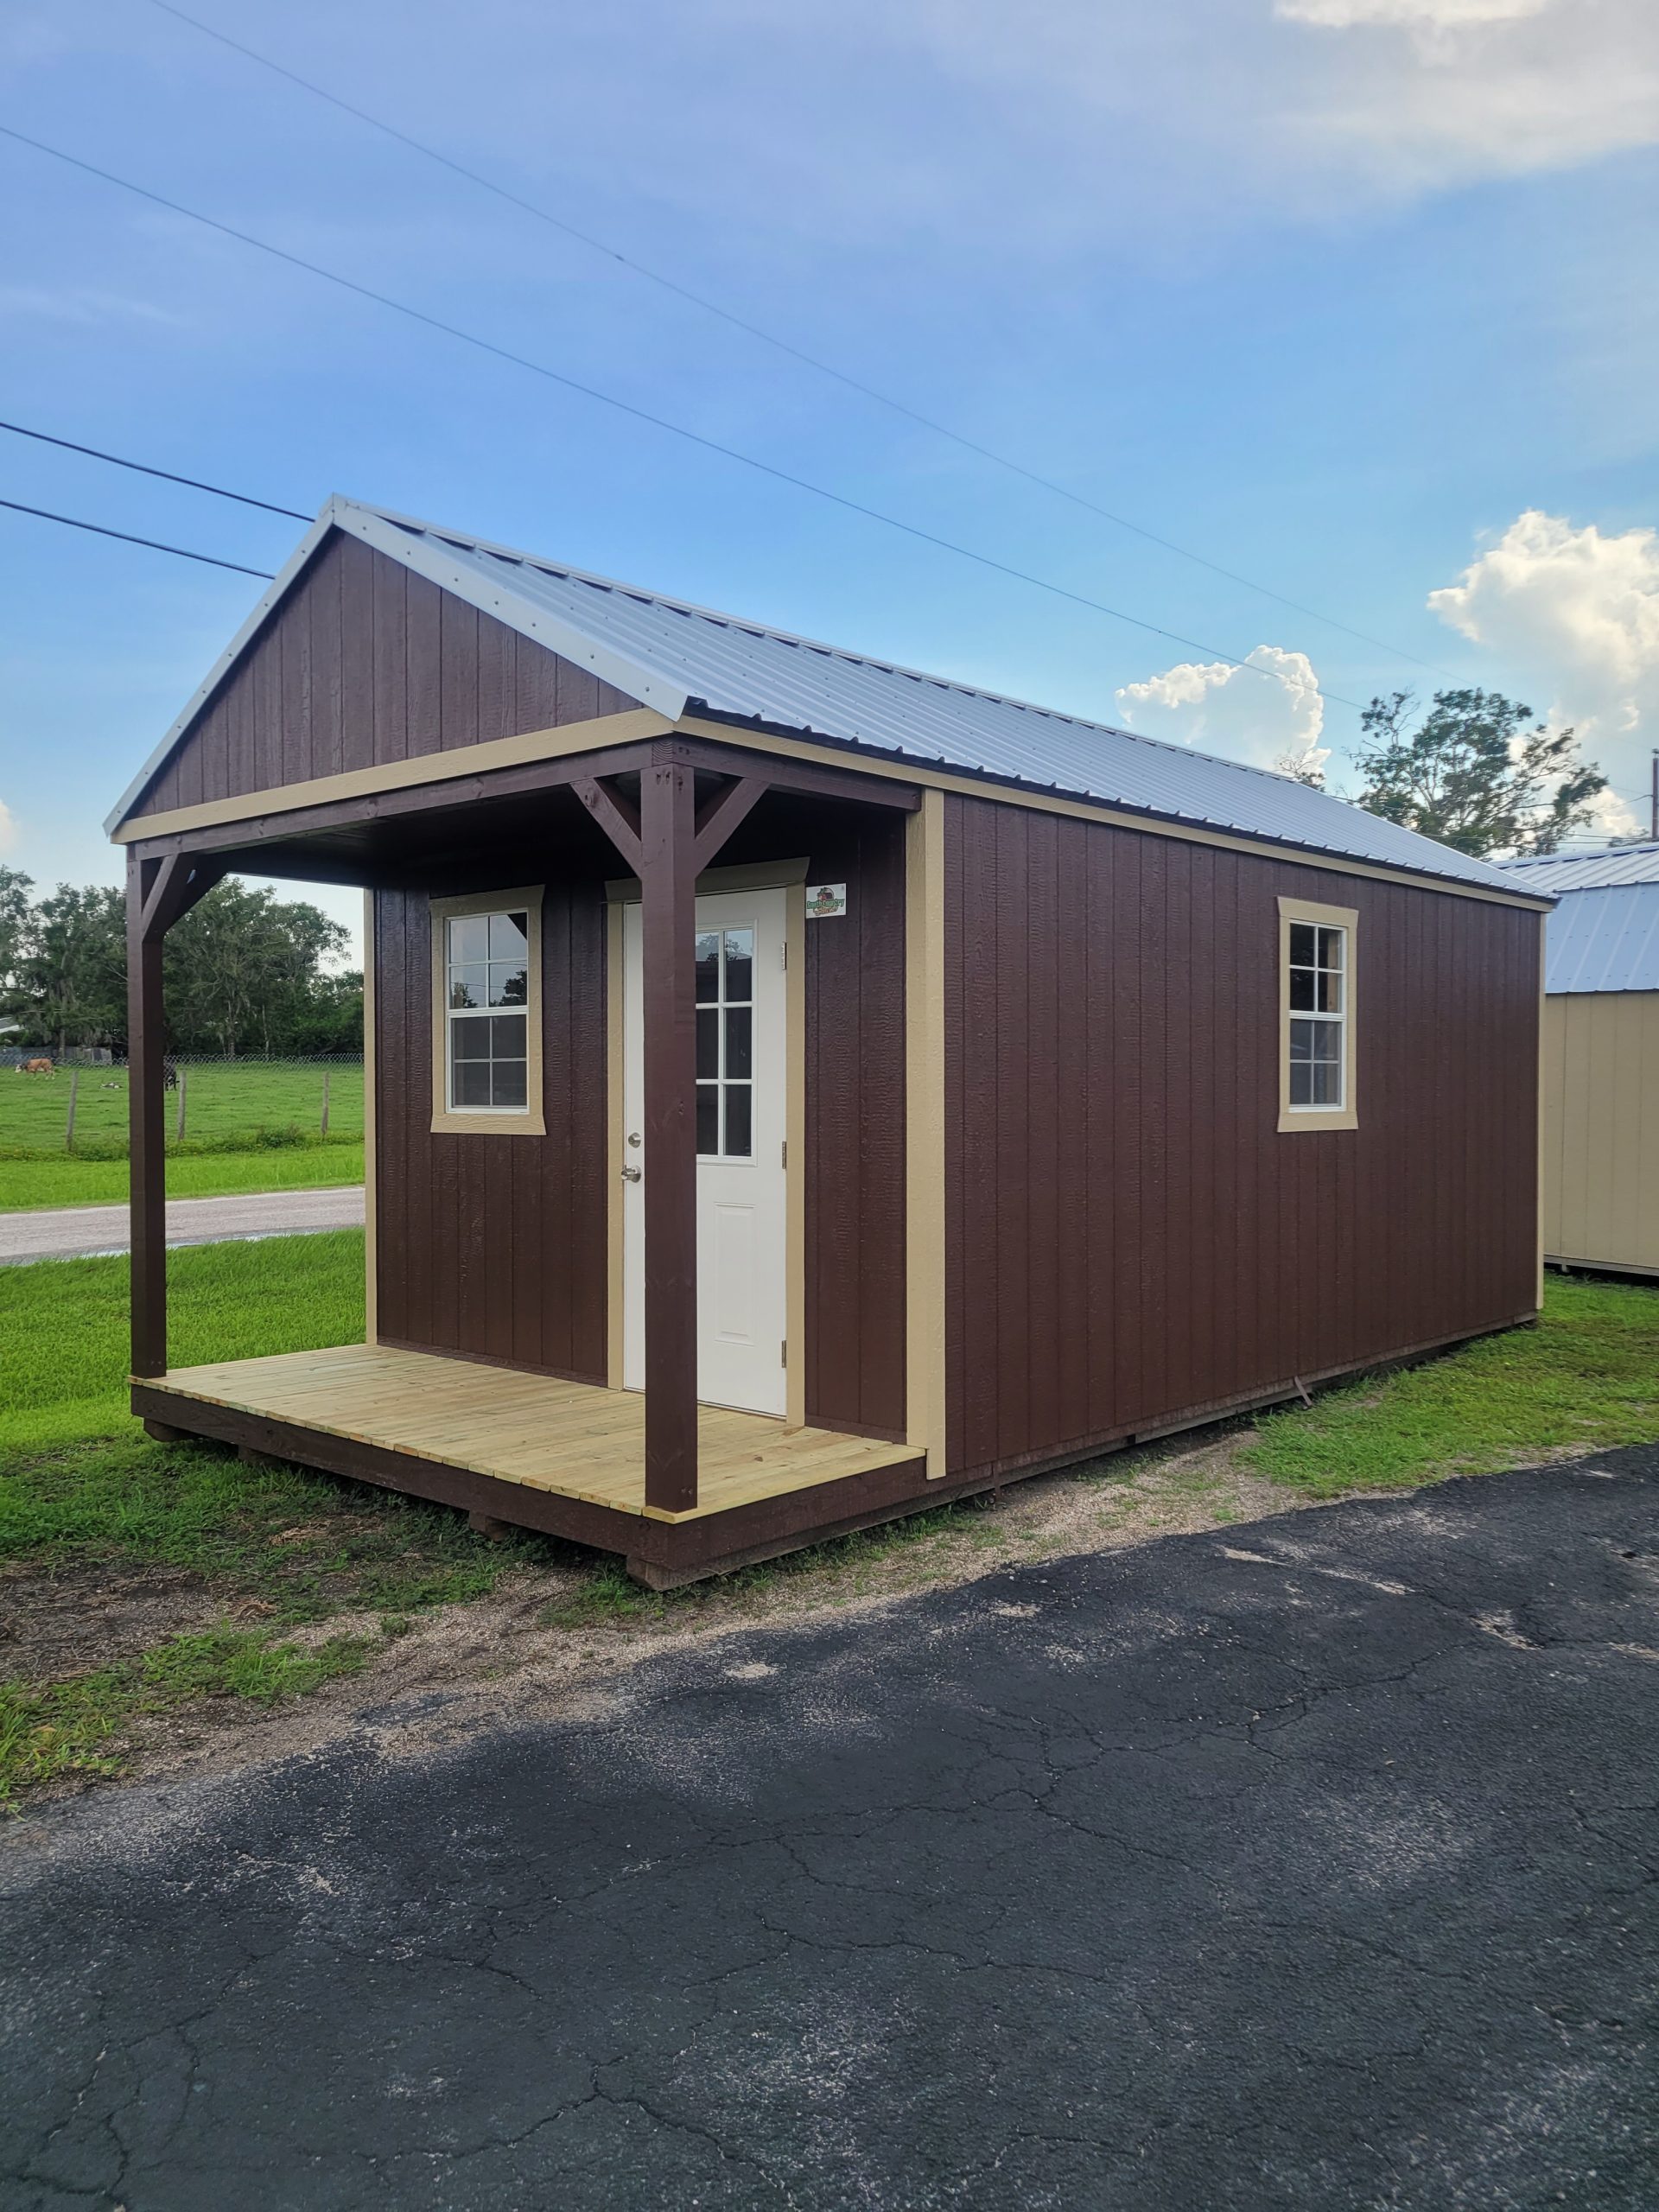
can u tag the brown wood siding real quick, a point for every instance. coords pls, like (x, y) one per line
(855, 1133)
(365, 663)
(855, 1077)
(1130, 1237)
(495, 1246)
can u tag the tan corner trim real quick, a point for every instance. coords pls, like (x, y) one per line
(1302, 1120)
(371, 1277)
(1543, 1104)
(918, 772)
(794, 1139)
(924, 1276)
(757, 875)
(518, 751)
(616, 1149)
(531, 1123)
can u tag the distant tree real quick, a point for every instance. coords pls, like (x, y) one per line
(243, 967)
(69, 983)
(1307, 767)
(1474, 771)
(15, 887)
(244, 971)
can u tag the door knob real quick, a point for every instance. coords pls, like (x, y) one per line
(631, 1174)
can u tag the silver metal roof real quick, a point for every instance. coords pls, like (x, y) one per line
(1585, 871)
(680, 658)
(1604, 938)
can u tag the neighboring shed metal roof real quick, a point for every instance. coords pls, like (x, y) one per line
(681, 658)
(1605, 938)
(1585, 871)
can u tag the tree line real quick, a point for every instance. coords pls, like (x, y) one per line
(245, 972)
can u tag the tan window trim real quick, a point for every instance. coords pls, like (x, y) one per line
(531, 1123)
(1301, 1120)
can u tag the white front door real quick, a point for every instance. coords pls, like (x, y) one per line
(742, 1212)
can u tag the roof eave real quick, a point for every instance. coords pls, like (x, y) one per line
(995, 781)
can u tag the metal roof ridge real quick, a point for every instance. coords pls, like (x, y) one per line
(571, 573)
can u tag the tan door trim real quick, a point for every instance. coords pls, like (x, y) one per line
(925, 1378)
(371, 1280)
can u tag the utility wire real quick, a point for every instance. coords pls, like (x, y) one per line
(73, 522)
(645, 415)
(770, 338)
(144, 469)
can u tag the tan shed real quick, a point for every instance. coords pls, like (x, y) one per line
(1601, 1057)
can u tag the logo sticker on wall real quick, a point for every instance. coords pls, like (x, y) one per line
(825, 899)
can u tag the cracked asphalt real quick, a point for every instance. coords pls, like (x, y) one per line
(1309, 1864)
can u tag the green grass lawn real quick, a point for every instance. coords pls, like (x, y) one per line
(222, 1099)
(82, 1486)
(83, 1490)
(30, 1184)
(1587, 1376)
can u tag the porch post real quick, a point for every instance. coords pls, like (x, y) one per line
(668, 881)
(158, 892)
(146, 1100)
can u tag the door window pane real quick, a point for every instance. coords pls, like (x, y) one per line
(738, 1037)
(707, 1120)
(737, 1120)
(707, 967)
(739, 964)
(708, 1041)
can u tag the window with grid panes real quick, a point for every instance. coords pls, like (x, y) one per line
(725, 1042)
(487, 991)
(1318, 1014)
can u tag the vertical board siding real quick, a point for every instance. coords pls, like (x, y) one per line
(855, 1166)
(1130, 1239)
(1601, 1129)
(363, 663)
(495, 1246)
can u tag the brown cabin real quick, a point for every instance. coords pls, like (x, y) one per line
(801, 1091)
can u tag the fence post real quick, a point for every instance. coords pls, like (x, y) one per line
(325, 1102)
(75, 1088)
(178, 1124)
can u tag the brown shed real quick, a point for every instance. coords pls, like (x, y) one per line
(802, 1090)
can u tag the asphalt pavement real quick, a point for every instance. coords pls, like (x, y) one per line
(82, 1232)
(1308, 1865)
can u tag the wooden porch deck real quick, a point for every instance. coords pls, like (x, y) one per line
(568, 1440)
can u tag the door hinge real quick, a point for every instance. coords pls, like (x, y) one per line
(783, 1152)
(783, 953)
(783, 1353)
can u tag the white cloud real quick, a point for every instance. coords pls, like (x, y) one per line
(1266, 718)
(1576, 613)
(1426, 91)
(1431, 18)
(7, 827)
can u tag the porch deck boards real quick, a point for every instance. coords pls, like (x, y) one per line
(572, 1439)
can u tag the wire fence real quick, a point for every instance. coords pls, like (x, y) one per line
(79, 1102)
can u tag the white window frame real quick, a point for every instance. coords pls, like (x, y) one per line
(487, 1121)
(1346, 1115)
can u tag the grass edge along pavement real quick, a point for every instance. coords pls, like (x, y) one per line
(82, 1491)
(31, 1185)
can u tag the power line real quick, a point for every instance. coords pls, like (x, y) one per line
(73, 522)
(645, 415)
(782, 344)
(116, 461)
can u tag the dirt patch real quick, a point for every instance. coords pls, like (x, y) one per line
(69, 1619)
(548, 1632)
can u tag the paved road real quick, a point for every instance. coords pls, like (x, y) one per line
(76, 1232)
(1302, 1868)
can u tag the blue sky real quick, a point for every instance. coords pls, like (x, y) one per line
(1352, 297)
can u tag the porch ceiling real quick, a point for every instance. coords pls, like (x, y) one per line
(570, 1440)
